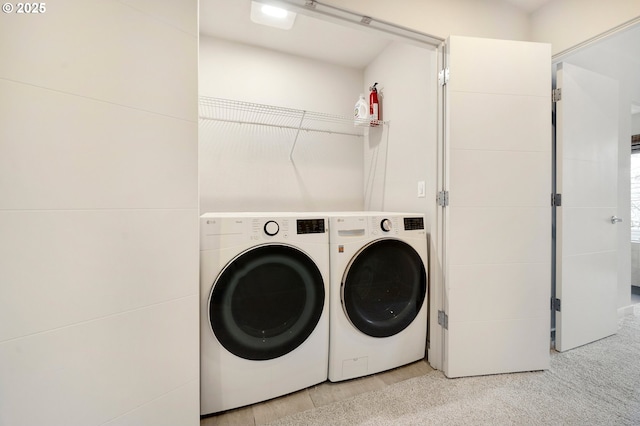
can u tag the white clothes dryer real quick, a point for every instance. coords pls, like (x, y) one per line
(378, 298)
(264, 321)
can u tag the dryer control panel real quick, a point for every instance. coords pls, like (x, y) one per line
(395, 224)
(413, 223)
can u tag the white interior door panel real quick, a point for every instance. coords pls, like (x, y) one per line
(495, 233)
(586, 176)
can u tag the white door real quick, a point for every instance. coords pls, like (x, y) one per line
(586, 231)
(495, 233)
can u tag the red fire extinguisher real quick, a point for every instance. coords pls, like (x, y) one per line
(374, 107)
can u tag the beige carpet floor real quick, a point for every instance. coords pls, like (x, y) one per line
(597, 384)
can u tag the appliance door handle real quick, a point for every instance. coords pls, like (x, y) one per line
(615, 219)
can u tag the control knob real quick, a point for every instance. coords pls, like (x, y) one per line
(385, 225)
(271, 228)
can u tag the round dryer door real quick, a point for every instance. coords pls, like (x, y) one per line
(266, 302)
(384, 288)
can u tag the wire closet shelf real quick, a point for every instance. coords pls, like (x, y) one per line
(231, 111)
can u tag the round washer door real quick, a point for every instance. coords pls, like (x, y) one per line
(266, 302)
(384, 288)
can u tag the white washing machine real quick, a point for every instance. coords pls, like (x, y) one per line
(264, 321)
(378, 297)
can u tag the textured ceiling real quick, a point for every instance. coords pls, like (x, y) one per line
(309, 37)
(529, 5)
(312, 38)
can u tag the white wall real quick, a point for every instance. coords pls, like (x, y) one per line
(566, 23)
(247, 168)
(98, 214)
(487, 18)
(404, 151)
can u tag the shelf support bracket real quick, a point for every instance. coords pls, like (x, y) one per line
(293, 147)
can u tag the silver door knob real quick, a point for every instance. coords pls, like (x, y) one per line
(615, 219)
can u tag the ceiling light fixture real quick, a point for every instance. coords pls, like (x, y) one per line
(265, 14)
(276, 12)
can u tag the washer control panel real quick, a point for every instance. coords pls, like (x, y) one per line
(262, 228)
(234, 229)
(310, 226)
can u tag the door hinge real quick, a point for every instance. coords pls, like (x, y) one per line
(443, 198)
(556, 200)
(555, 305)
(443, 76)
(556, 95)
(443, 320)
